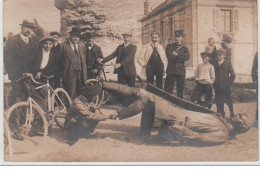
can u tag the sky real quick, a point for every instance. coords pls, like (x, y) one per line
(48, 16)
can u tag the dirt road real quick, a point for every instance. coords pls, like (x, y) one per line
(117, 141)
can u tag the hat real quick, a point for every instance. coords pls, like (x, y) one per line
(76, 31)
(127, 33)
(221, 50)
(178, 33)
(28, 24)
(90, 91)
(89, 35)
(46, 37)
(227, 38)
(204, 54)
(53, 33)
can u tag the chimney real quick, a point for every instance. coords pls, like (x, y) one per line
(146, 7)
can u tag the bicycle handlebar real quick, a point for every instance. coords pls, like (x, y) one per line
(28, 75)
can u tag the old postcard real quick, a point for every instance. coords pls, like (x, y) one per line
(133, 82)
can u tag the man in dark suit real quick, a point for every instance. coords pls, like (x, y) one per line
(225, 43)
(19, 52)
(56, 48)
(93, 54)
(176, 54)
(225, 77)
(125, 62)
(73, 63)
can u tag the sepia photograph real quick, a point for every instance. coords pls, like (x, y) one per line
(129, 82)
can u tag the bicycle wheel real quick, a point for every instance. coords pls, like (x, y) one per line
(8, 149)
(60, 99)
(26, 119)
(138, 82)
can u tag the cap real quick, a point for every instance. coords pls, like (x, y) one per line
(227, 38)
(204, 54)
(46, 37)
(178, 33)
(76, 31)
(53, 33)
(127, 33)
(222, 50)
(90, 91)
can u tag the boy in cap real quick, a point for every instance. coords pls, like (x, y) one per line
(225, 77)
(177, 54)
(204, 76)
(83, 115)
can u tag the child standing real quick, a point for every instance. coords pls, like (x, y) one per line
(212, 50)
(225, 76)
(204, 76)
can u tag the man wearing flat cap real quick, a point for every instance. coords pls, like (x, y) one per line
(93, 54)
(225, 77)
(225, 43)
(177, 54)
(73, 63)
(204, 76)
(125, 63)
(20, 51)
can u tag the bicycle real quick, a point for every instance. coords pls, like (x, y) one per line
(104, 96)
(35, 119)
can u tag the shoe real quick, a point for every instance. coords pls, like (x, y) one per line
(72, 141)
(146, 138)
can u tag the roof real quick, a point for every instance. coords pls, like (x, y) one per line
(162, 7)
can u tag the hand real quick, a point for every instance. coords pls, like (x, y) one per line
(174, 53)
(94, 71)
(164, 73)
(38, 75)
(117, 65)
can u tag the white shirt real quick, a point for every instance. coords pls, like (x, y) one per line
(220, 62)
(45, 58)
(126, 44)
(205, 73)
(72, 46)
(25, 39)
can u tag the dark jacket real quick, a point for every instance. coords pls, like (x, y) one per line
(213, 57)
(68, 63)
(228, 56)
(254, 71)
(176, 64)
(126, 57)
(51, 66)
(225, 75)
(19, 56)
(92, 56)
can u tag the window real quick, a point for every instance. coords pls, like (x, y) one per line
(226, 20)
(162, 29)
(182, 19)
(170, 27)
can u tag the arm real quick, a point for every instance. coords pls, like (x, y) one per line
(184, 54)
(232, 73)
(212, 75)
(130, 57)
(169, 54)
(196, 73)
(140, 59)
(110, 57)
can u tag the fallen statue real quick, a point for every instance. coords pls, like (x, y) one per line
(177, 116)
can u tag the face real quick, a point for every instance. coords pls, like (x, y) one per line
(26, 31)
(56, 38)
(74, 39)
(220, 56)
(178, 40)
(211, 42)
(205, 59)
(90, 40)
(126, 38)
(47, 45)
(155, 38)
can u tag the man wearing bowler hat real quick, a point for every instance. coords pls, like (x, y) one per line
(177, 54)
(73, 63)
(225, 77)
(93, 54)
(19, 52)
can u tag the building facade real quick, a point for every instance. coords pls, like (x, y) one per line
(201, 19)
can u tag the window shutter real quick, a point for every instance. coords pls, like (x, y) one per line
(235, 20)
(216, 18)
